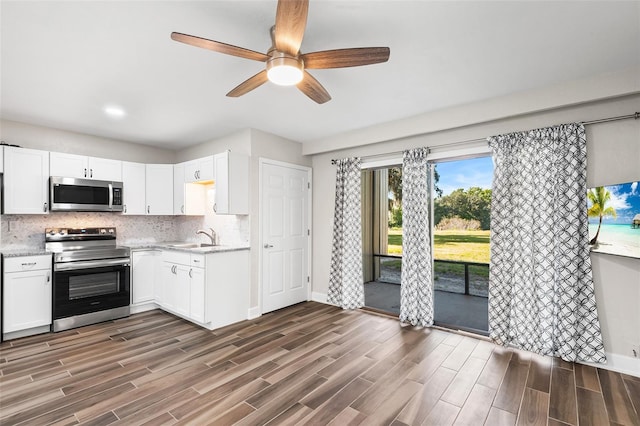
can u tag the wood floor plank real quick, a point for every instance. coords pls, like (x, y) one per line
(510, 392)
(348, 417)
(617, 399)
(382, 388)
(463, 383)
(429, 365)
(387, 411)
(562, 398)
(208, 403)
(476, 408)
(534, 408)
(633, 388)
(292, 415)
(498, 417)
(495, 368)
(443, 414)
(591, 408)
(281, 400)
(459, 355)
(417, 410)
(307, 364)
(337, 381)
(338, 402)
(587, 377)
(540, 373)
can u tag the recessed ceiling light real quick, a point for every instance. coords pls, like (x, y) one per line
(114, 111)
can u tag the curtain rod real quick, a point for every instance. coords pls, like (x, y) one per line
(635, 116)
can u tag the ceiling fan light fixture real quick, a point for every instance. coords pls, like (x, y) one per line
(284, 70)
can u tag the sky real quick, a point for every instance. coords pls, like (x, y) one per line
(625, 199)
(465, 174)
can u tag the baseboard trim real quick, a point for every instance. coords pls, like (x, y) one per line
(319, 297)
(254, 313)
(137, 309)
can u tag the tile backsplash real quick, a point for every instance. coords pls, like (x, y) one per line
(27, 231)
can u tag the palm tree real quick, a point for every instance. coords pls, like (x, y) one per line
(599, 198)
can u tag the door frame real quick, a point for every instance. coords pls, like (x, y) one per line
(267, 161)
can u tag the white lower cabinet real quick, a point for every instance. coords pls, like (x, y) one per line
(27, 292)
(210, 289)
(144, 266)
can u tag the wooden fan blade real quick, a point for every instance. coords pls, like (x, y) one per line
(291, 20)
(342, 58)
(217, 46)
(313, 89)
(249, 84)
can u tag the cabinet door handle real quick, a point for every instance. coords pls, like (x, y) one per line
(190, 271)
(44, 207)
(48, 277)
(148, 209)
(268, 245)
(29, 264)
(215, 207)
(91, 174)
(124, 208)
(182, 209)
(195, 174)
(85, 172)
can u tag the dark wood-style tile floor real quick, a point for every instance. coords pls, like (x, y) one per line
(307, 364)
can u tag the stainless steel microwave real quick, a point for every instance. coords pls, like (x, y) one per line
(84, 195)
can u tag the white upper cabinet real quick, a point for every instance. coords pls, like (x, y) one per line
(231, 183)
(134, 188)
(105, 169)
(159, 189)
(80, 166)
(199, 170)
(178, 189)
(189, 197)
(26, 181)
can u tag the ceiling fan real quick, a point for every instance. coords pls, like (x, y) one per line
(285, 64)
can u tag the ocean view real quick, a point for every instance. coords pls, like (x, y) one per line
(617, 239)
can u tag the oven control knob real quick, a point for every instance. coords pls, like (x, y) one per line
(103, 231)
(111, 230)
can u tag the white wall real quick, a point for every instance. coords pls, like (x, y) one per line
(48, 139)
(613, 157)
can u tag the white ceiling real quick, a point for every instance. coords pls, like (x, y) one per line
(62, 62)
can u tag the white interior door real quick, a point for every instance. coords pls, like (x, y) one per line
(285, 236)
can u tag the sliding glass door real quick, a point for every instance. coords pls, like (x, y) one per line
(461, 197)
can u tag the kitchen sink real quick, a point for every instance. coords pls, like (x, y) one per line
(189, 245)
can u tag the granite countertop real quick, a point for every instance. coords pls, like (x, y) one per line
(34, 251)
(170, 245)
(29, 251)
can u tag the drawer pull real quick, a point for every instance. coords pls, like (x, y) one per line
(29, 264)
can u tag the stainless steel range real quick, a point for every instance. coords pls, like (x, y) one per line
(90, 276)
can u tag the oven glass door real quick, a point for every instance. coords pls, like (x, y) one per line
(81, 291)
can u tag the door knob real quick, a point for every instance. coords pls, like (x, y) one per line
(268, 245)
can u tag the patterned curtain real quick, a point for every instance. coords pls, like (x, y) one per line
(416, 286)
(541, 295)
(346, 287)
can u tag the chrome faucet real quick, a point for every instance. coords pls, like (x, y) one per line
(212, 236)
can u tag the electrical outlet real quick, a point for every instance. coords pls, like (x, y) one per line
(635, 351)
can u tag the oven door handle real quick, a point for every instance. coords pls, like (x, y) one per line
(71, 266)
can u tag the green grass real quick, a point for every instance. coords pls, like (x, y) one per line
(469, 246)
